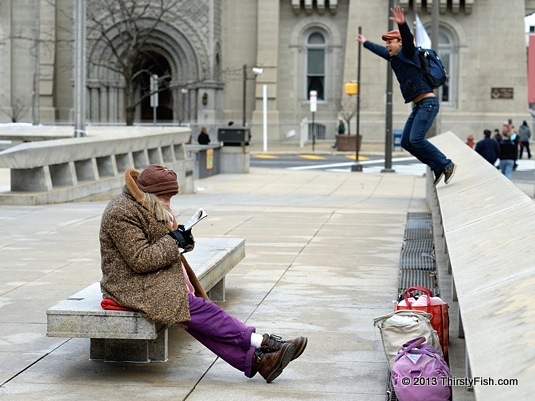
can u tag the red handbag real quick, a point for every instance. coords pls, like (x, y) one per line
(437, 308)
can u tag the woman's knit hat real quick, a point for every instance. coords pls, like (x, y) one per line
(158, 180)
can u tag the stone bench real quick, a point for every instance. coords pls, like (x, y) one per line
(487, 226)
(128, 336)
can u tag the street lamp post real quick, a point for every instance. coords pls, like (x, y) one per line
(264, 117)
(154, 96)
(256, 71)
(357, 166)
(244, 92)
(184, 92)
(79, 61)
(389, 138)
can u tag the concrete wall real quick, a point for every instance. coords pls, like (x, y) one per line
(489, 231)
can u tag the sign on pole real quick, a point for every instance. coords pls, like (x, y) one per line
(313, 108)
(154, 95)
(313, 101)
(154, 90)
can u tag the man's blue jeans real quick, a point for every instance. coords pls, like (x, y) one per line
(413, 138)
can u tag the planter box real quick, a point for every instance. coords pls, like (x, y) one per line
(347, 143)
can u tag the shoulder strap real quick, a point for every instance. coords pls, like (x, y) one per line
(199, 290)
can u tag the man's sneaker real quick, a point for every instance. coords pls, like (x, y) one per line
(449, 172)
(438, 176)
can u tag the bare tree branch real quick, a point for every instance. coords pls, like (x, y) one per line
(125, 30)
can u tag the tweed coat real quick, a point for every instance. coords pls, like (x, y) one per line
(140, 263)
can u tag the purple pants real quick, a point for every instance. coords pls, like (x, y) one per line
(222, 334)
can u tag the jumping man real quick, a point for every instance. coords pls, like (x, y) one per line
(416, 89)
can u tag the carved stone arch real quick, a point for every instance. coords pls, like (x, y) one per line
(166, 41)
(183, 57)
(304, 27)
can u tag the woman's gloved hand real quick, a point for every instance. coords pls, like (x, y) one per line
(184, 238)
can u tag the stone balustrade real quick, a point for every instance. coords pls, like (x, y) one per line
(61, 170)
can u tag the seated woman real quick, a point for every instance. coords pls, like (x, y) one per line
(141, 244)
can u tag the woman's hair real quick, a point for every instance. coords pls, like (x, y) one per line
(160, 211)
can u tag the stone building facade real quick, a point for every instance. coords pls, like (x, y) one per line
(206, 50)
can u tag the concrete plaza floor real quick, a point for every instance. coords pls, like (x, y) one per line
(322, 261)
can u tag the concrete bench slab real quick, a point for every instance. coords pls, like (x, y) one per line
(488, 226)
(129, 336)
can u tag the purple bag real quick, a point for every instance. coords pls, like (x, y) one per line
(420, 373)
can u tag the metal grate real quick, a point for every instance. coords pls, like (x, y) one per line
(419, 246)
(419, 229)
(415, 277)
(419, 215)
(421, 261)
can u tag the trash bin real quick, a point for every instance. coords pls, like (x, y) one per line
(234, 136)
(397, 137)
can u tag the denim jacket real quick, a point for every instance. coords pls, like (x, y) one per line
(406, 65)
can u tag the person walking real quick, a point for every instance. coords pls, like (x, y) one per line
(470, 141)
(402, 55)
(508, 154)
(524, 134)
(141, 246)
(488, 148)
(497, 135)
(340, 130)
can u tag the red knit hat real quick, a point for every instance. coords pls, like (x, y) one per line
(158, 180)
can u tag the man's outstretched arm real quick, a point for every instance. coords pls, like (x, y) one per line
(373, 47)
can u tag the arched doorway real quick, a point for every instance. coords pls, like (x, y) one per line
(168, 53)
(153, 63)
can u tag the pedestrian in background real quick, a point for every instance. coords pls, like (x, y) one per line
(497, 135)
(340, 129)
(524, 134)
(470, 141)
(488, 148)
(508, 154)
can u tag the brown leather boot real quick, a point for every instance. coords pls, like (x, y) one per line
(272, 343)
(271, 364)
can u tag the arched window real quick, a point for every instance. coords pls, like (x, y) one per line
(445, 52)
(315, 64)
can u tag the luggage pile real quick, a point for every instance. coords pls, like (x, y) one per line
(415, 334)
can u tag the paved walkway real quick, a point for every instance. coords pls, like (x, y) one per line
(322, 261)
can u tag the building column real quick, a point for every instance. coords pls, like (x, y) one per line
(267, 43)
